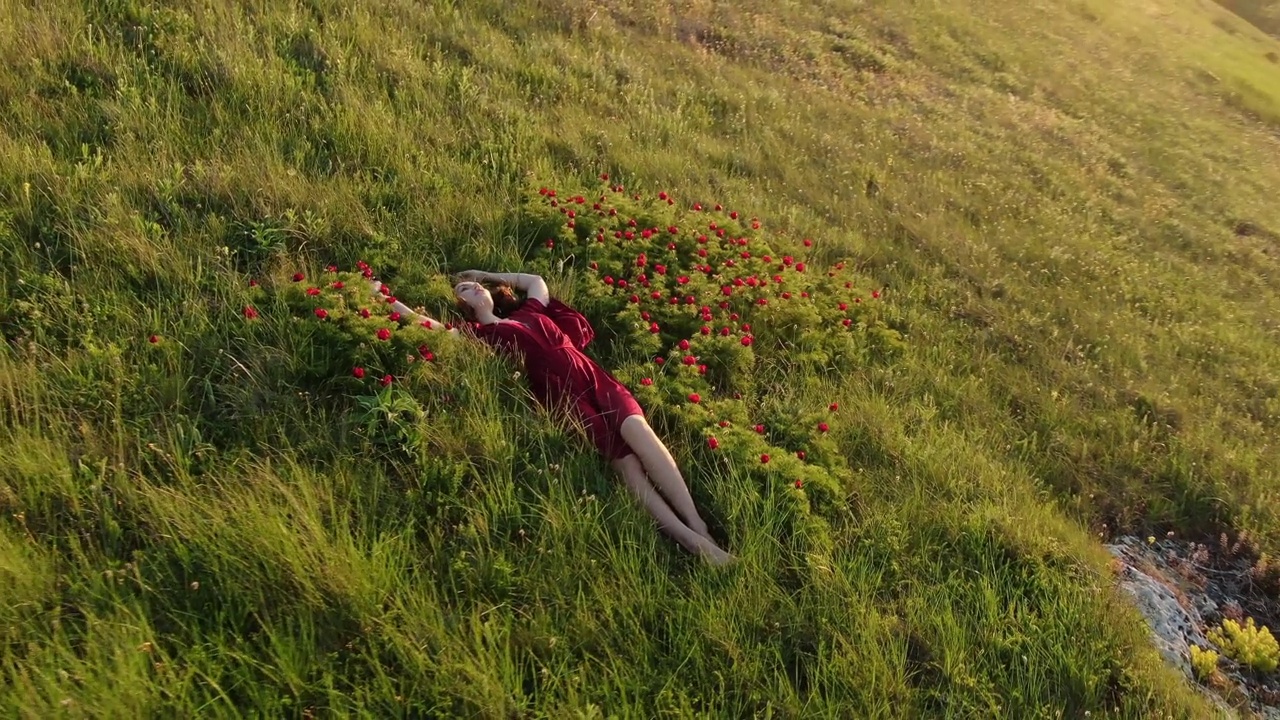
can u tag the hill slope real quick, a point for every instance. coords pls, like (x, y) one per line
(1070, 207)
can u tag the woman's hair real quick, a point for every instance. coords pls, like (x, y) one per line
(505, 302)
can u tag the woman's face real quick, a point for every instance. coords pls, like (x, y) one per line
(475, 295)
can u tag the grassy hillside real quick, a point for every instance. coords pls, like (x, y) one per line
(1070, 208)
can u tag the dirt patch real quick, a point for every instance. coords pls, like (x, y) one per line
(1185, 588)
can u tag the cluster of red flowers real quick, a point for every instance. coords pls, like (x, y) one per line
(721, 269)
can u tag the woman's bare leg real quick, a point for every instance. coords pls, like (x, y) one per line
(662, 469)
(633, 474)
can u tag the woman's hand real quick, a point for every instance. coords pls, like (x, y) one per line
(472, 276)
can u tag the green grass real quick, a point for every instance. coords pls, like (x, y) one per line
(1071, 205)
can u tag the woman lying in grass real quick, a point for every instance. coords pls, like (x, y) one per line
(549, 337)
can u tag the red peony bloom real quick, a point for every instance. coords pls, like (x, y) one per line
(253, 283)
(734, 215)
(799, 267)
(659, 360)
(724, 423)
(653, 328)
(364, 312)
(697, 207)
(786, 296)
(551, 243)
(800, 454)
(875, 293)
(622, 284)
(313, 291)
(695, 398)
(299, 277)
(608, 279)
(673, 229)
(386, 380)
(724, 331)
(384, 334)
(706, 330)
(844, 306)
(662, 195)
(759, 429)
(646, 381)
(358, 372)
(594, 265)
(846, 322)
(713, 443)
(338, 285)
(690, 360)
(153, 339)
(808, 242)
(634, 299)
(684, 344)
(702, 369)
(719, 207)
(322, 313)
(833, 407)
(762, 301)
(427, 324)
(249, 312)
(644, 315)
(823, 427)
(799, 484)
(764, 458)
(746, 341)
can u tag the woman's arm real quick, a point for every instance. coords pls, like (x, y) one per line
(405, 310)
(532, 285)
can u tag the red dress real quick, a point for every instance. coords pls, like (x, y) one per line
(550, 338)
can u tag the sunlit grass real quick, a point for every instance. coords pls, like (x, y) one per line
(1071, 207)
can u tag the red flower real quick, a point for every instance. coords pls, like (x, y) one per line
(719, 207)
(322, 313)
(695, 398)
(551, 243)
(746, 327)
(786, 296)
(697, 207)
(358, 372)
(594, 265)
(634, 299)
(364, 312)
(338, 285)
(706, 330)
(702, 252)
(646, 381)
(655, 295)
(875, 293)
(762, 301)
(391, 300)
(673, 229)
(702, 369)
(684, 344)
(799, 267)
(386, 380)
(823, 427)
(713, 443)
(662, 195)
(846, 322)
(384, 334)
(764, 458)
(604, 176)
(659, 360)
(332, 268)
(733, 316)
(844, 306)
(683, 280)
(727, 289)
(427, 324)
(808, 242)
(759, 429)
(734, 215)
(799, 484)
(724, 423)
(653, 328)
(690, 360)
(746, 341)
(608, 279)
(153, 339)
(724, 331)
(787, 260)
(800, 454)
(833, 407)
(253, 283)
(249, 312)
(622, 284)
(644, 315)
(755, 224)
(313, 291)
(299, 277)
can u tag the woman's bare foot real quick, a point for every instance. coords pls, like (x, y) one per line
(715, 556)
